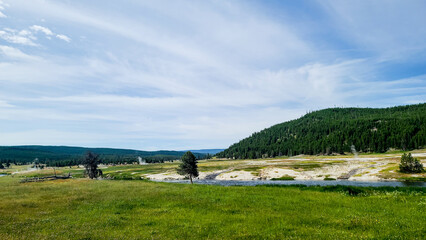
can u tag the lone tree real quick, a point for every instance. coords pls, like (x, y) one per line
(188, 166)
(90, 162)
(410, 165)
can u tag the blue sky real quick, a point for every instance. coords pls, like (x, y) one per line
(198, 74)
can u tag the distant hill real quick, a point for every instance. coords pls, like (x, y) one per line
(64, 155)
(207, 151)
(337, 130)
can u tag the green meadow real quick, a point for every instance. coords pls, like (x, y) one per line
(120, 209)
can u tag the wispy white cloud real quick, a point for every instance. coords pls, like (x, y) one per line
(45, 30)
(27, 33)
(4, 104)
(27, 36)
(63, 37)
(13, 37)
(235, 31)
(48, 33)
(14, 53)
(390, 28)
(2, 8)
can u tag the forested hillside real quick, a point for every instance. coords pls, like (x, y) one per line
(335, 130)
(65, 156)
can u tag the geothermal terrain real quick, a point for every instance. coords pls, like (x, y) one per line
(374, 167)
(352, 167)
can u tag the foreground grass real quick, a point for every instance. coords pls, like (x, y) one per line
(91, 209)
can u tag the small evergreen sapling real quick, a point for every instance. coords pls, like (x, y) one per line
(410, 165)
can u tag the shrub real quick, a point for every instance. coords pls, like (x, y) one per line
(410, 165)
(329, 179)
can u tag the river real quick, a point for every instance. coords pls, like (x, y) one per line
(304, 182)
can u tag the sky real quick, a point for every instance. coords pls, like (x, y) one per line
(178, 75)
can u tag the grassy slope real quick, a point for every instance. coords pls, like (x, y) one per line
(84, 209)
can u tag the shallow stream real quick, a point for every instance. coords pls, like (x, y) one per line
(304, 182)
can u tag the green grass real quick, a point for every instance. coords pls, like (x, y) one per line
(283, 178)
(255, 170)
(413, 179)
(392, 172)
(305, 166)
(335, 161)
(208, 168)
(14, 168)
(92, 209)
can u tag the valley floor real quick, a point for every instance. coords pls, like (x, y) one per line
(364, 167)
(367, 167)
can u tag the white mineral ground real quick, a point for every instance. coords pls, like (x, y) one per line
(356, 169)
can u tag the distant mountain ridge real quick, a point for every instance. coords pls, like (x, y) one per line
(67, 155)
(338, 130)
(207, 151)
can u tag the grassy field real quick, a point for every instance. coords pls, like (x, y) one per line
(106, 209)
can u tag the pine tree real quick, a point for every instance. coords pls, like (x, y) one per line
(90, 162)
(188, 166)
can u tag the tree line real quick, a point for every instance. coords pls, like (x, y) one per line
(337, 130)
(53, 156)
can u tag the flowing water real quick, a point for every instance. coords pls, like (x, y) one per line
(304, 182)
